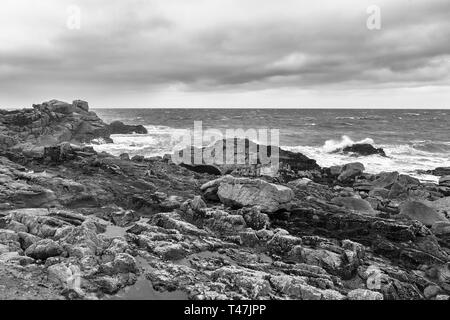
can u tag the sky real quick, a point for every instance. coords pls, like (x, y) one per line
(226, 53)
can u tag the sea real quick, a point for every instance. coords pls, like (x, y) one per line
(412, 139)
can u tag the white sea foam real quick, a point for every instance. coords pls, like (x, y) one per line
(405, 158)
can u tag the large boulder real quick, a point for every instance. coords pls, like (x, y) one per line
(364, 149)
(237, 153)
(118, 127)
(243, 192)
(419, 211)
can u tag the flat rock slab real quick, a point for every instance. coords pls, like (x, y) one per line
(243, 192)
(421, 212)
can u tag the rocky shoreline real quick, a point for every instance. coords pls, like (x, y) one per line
(78, 224)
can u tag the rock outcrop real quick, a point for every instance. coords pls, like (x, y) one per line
(50, 123)
(364, 149)
(244, 192)
(118, 127)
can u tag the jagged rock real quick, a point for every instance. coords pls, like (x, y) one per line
(243, 192)
(224, 223)
(44, 249)
(350, 171)
(364, 294)
(254, 218)
(419, 211)
(364, 149)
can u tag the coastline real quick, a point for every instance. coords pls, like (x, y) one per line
(91, 225)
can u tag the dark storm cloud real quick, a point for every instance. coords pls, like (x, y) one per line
(134, 48)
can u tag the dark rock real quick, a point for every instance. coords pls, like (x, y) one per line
(364, 149)
(118, 127)
(44, 249)
(203, 168)
(444, 181)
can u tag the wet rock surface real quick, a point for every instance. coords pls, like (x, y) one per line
(77, 224)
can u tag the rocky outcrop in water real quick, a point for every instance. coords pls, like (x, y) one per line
(118, 127)
(364, 149)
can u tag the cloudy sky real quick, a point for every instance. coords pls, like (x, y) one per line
(226, 53)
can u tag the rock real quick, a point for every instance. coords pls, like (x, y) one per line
(26, 240)
(355, 204)
(363, 294)
(203, 168)
(198, 204)
(444, 181)
(138, 158)
(364, 149)
(66, 276)
(232, 160)
(80, 104)
(44, 249)
(441, 228)
(173, 251)
(124, 156)
(416, 210)
(283, 243)
(431, 291)
(255, 219)
(442, 204)
(335, 171)
(441, 171)
(224, 223)
(124, 263)
(244, 192)
(17, 227)
(385, 180)
(380, 193)
(350, 171)
(408, 181)
(396, 191)
(299, 183)
(118, 127)
(15, 258)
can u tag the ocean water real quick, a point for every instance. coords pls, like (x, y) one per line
(412, 139)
